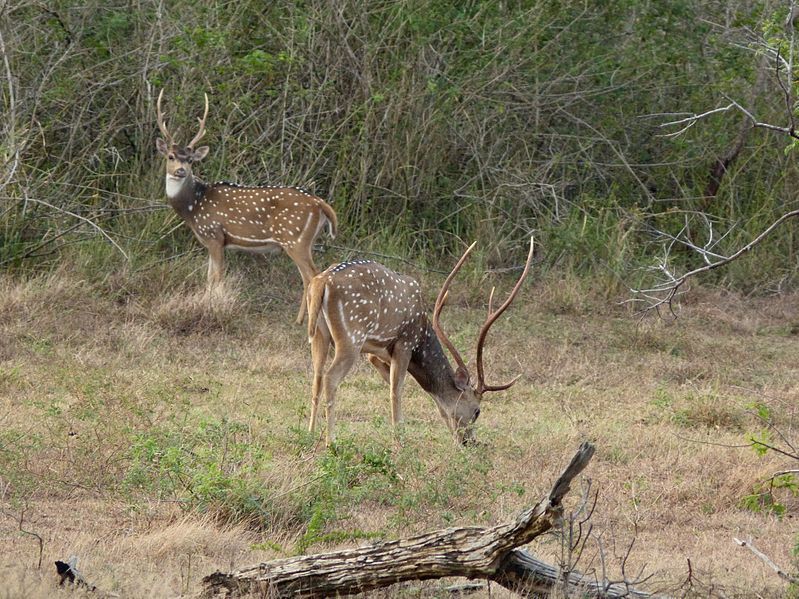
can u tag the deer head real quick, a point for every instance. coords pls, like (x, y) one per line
(459, 403)
(179, 159)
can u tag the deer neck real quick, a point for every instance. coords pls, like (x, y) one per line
(429, 365)
(185, 195)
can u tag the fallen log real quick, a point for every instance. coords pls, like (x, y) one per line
(472, 552)
(528, 576)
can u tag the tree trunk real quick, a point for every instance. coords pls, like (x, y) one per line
(472, 552)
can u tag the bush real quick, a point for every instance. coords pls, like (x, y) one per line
(424, 123)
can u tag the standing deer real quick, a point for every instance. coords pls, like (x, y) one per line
(256, 219)
(363, 307)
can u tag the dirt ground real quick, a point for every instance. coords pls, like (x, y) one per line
(137, 430)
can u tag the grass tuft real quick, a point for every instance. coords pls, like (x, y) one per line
(184, 312)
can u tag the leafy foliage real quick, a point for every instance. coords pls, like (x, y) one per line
(424, 123)
(770, 495)
(765, 495)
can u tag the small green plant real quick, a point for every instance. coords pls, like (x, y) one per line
(212, 468)
(439, 492)
(344, 475)
(765, 495)
(663, 399)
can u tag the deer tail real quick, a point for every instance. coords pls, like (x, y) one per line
(332, 219)
(315, 297)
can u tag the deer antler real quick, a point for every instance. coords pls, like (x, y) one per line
(442, 296)
(492, 317)
(201, 132)
(162, 121)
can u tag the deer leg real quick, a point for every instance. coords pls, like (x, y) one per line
(397, 370)
(216, 263)
(381, 367)
(306, 279)
(342, 363)
(319, 348)
(301, 255)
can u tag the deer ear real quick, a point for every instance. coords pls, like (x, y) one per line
(160, 144)
(461, 379)
(200, 153)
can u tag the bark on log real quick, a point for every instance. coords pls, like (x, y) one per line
(472, 552)
(528, 576)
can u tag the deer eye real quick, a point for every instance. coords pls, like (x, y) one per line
(190, 160)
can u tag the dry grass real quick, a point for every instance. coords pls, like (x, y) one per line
(86, 382)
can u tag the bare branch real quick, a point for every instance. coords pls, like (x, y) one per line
(767, 560)
(691, 120)
(663, 294)
(774, 448)
(784, 472)
(35, 535)
(86, 220)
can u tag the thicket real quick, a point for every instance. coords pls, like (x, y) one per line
(424, 122)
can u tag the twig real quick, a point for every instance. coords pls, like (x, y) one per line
(692, 120)
(767, 560)
(713, 443)
(775, 449)
(784, 472)
(86, 220)
(38, 537)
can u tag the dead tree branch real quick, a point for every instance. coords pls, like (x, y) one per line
(767, 560)
(661, 295)
(783, 72)
(473, 552)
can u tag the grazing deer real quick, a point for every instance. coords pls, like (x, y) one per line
(363, 307)
(257, 219)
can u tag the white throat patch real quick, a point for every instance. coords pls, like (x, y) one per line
(173, 186)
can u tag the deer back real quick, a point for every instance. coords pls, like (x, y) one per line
(363, 302)
(255, 216)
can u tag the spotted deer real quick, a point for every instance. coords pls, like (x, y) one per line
(362, 307)
(225, 215)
